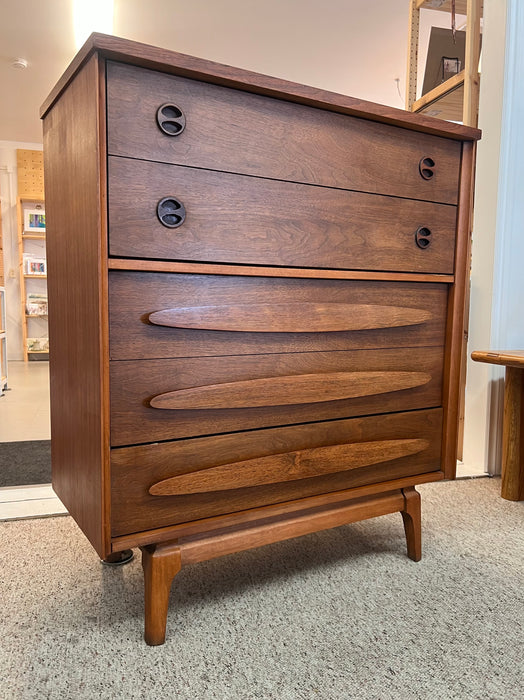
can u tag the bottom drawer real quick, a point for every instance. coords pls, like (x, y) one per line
(163, 484)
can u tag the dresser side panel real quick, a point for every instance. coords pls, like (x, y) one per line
(77, 301)
(456, 320)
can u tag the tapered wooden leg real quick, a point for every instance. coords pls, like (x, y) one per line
(513, 436)
(161, 563)
(412, 522)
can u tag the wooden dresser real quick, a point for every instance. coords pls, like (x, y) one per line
(256, 306)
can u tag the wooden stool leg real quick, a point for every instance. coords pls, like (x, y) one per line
(513, 436)
(160, 563)
(412, 522)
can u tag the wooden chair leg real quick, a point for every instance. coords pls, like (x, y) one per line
(412, 522)
(160, 563)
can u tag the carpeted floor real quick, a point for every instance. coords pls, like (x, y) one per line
(24, 463)
(341, 614)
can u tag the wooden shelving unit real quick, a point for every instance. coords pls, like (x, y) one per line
(455, 99)
(29, 319)
(30, 168)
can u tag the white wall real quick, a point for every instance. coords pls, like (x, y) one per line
(355, 47)
(8, 192)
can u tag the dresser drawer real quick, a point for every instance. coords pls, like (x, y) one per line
(240, 132)
(206, 315)
(237, 219)
(169, 399)
(173, 482)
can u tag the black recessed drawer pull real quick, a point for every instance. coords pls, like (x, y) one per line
(426, 167)
(170, 119)
(170, 212)
(423, 237)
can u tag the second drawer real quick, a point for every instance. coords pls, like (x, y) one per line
(169, 399)
(236, 219)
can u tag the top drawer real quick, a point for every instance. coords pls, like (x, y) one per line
(241, 132)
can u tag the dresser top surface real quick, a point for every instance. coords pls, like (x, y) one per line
(114, 48)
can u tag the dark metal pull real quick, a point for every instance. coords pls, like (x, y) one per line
(422, 237)
(426, 166)
(170, 119)
(170, 212)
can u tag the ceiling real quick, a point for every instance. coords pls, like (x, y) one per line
(356, 47)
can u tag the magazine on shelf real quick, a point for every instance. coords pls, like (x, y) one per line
(36, 304)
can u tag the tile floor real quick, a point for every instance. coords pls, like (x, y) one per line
(24, 415)
(24, 407)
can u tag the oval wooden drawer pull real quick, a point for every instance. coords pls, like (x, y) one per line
(289, 390)
(289, 466)
(296, 317)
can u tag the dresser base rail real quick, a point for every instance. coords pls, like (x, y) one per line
(161, 562)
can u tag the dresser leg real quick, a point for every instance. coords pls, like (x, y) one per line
(412, 522)
(161, 563)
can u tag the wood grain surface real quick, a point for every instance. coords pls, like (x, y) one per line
(292, 317)
(285, 391)
(232, 218)
(227, 541)
(513, 435)
(134, 296)
(454, 368)
(508, 358)
(134, 384)
(136, 469)
(243, 517)
(77, 305)
(196, 268)
(293, 142)
(290, 466)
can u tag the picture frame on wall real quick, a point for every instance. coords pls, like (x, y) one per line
(35, 265)
(34, 220)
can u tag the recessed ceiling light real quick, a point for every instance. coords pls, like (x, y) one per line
(19, 63)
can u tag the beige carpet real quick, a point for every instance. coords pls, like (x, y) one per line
(337, 615)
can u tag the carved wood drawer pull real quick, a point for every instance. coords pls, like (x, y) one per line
(289, 466)
(289, 390)
(296, 317)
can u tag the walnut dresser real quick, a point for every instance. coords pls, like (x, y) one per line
(256, 306)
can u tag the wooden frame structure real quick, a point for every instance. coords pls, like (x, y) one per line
(457, 98)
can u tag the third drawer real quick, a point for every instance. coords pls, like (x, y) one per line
(162, 315)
